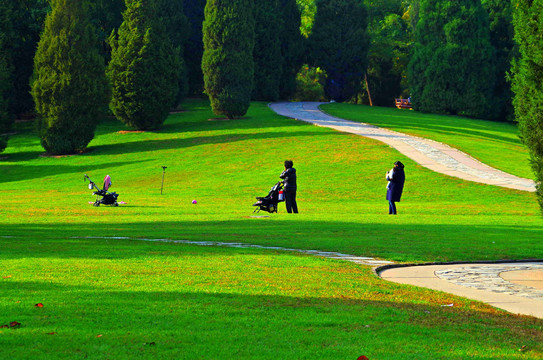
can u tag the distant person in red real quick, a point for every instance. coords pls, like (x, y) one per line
(396, 180)
(289, 186)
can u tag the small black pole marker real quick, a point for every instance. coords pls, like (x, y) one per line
(163, 172)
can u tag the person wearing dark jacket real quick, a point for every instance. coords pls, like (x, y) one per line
(289, 186)
(396, 180)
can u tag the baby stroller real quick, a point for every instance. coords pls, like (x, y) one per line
(269, 203)
(108, 198)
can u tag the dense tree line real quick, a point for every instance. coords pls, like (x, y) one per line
(528, 82)
(449, 56)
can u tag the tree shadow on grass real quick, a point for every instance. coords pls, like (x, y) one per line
(12, 173)
(408, 242)
(173, 144)
(113, 320)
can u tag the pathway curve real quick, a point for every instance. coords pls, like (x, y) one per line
(515, 287)
(428, 153)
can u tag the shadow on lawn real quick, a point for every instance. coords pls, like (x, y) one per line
(12, 173)
(105, 321)
(406, 242)
(172, 144)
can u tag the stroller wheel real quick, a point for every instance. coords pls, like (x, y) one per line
(96, 204)
(116, 204)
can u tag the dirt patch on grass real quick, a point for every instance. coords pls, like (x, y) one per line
(130, 132)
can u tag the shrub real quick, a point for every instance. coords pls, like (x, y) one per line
(70, 88)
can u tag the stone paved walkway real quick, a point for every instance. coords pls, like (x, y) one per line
(430, 154)
(491, 278)
(515, 287)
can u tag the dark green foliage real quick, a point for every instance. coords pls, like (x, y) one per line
(5, 82)
(177, 28)
(292, 47)
(107, 16)
(452, 70)
(339, 44)
(70, 88)
(227, 63)
(144, 68)
(24, 25)
(389, 52)
(194, 47)
(501, 37)
(528, 82)
(267, 51)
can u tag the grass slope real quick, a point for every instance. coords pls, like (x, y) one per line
(122, 299)
(494, 143)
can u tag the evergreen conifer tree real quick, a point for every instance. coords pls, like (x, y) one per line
(144, 68)
(292, 47)
(267, 51)
(70, 88)
(178, 29)
(528, 82)
(5, 82)
(452, 70)
(339, 44)
(227, 62)
(194, 47)
(501, 37)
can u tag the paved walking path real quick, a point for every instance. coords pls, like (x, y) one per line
(428, 153)
(515, 287)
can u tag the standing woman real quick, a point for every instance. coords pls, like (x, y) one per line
(289, 186)
(396, 179)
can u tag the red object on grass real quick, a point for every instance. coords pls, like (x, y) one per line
(363, 357)
(40, 305)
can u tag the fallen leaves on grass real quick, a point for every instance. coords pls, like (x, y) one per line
(13, 324)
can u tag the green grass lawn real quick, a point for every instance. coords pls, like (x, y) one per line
(123, 299)
(494, 143)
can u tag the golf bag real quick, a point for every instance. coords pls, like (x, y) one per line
(103, 196)
(269, 203)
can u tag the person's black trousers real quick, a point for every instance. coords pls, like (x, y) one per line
(290, 201)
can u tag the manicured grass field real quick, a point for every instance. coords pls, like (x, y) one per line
(126, 299)
(494, 143)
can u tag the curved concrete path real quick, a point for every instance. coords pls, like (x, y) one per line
(515, 287)
(428, 153)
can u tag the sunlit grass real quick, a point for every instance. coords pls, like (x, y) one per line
(123, 299)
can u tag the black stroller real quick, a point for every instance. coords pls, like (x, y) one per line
(108, 198)
(269, 203)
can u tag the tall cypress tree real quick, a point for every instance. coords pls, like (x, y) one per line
(267, 51)
(339, 44)
(143, 68)
(292, 47)
(177, 28)
(528, 82)
(501, 37)
(227, 62)
(194, 47)
(70, 88)
(451, 70)
(6, 81)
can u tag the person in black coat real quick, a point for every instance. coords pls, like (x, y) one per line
(396, 180)
(289, 186)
